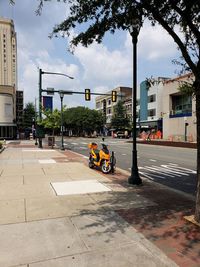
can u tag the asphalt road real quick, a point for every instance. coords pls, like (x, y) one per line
(171, 166)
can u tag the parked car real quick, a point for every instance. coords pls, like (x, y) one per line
(122, 134)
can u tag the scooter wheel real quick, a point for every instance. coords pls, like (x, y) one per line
(106, 168)
(91, 165)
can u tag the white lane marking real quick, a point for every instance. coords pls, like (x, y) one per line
(74, 144)
(178, 168)
(153, 169)
(154, 160)
(124, 154)
(83, 143)
(170, 170)
(85, 157)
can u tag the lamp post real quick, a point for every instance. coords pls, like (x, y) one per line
(134, 32)
(36, 143)
(61, 100)
(40, 93)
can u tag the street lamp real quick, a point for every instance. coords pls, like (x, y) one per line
(40, 93)
(134, 32)
(36, 143)
(61, 100)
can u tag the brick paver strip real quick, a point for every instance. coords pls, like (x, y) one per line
(165, 226)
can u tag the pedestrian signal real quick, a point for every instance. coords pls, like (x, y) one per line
(114, 96)
(87, 95)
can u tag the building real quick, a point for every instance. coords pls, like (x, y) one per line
(104, 102)
(8, 78)
(179, 111)
(150, 105)
(19, 108)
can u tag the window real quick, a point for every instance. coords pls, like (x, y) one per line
(181, 104)
(98, 105)
(8, 110)
(151, 98)
(109, 101)
(151, 112)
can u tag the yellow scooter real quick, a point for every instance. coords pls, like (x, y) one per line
(101, 158)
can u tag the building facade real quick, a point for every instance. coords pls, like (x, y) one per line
(104, 102)
(150, 105)
(8, 78)
(179, 111)
(19, 108)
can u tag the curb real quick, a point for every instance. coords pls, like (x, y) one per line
(2, 149)
(186, 195)
(167, 143)
(121, 171)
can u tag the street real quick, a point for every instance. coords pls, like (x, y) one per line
(171, 166)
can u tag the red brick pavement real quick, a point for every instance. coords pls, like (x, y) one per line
(164, 224)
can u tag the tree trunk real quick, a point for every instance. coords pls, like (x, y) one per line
(197, 206)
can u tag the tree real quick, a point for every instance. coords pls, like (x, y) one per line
(29, 115)
(82, 119)
(101, 16)
(119, 120)
(52, 120)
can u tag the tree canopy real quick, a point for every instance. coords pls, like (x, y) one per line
(83, 120)
(101, 16)
(120, 120)
(52, 120)
(29, 115)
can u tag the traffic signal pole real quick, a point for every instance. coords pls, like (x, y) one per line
(40, 106)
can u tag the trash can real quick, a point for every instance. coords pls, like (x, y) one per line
(51, 141)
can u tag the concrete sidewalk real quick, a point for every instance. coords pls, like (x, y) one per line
(41, 226)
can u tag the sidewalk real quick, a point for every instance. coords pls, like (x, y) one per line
(100, 221)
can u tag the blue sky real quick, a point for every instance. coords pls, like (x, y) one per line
(101, 67)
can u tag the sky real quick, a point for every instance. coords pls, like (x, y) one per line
(100, 67)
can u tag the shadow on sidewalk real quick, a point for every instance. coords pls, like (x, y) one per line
(165, 226)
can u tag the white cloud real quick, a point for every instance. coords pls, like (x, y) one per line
(154, 43)
(100, 67)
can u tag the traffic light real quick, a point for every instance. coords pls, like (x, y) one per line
(114, 96)
(87, 95)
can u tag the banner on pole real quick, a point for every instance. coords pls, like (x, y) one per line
(47, 102)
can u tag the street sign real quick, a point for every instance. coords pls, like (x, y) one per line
(50, 91)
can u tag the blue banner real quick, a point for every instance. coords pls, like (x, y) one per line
(47, 102)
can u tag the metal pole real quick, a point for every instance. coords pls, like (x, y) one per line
(134, 178)
(40, 104)
(36, 143)
(62, 142)
(186, 125)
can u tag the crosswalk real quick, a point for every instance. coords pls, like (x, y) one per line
(165, 171)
